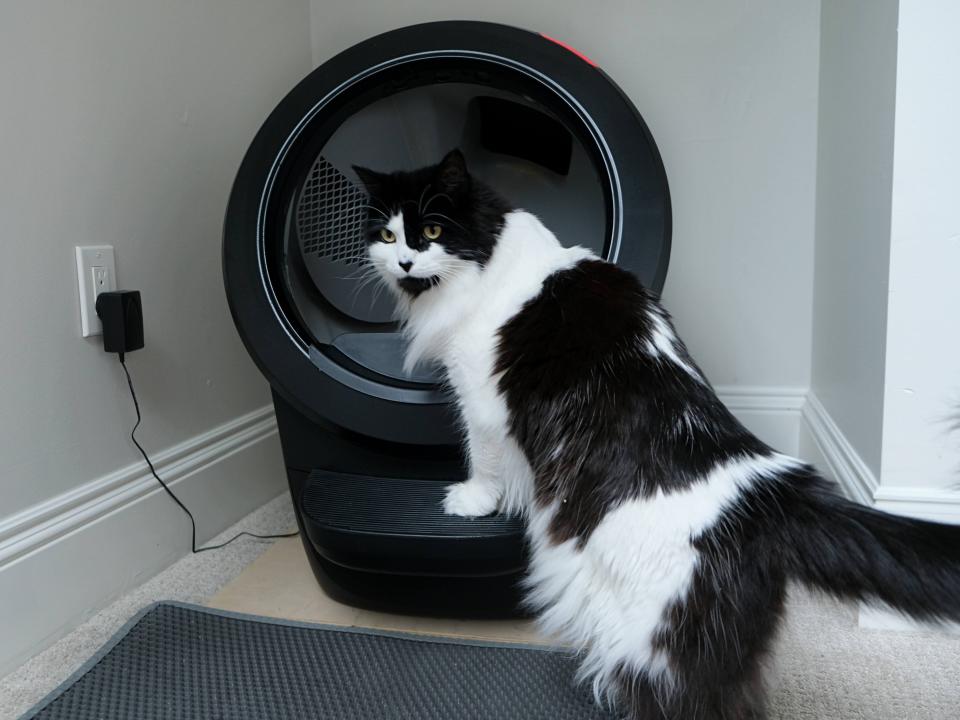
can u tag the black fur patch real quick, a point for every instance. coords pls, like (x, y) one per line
(415, 286)
(859, 553)
(600, 418)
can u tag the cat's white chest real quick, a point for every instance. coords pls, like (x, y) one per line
(469, 353)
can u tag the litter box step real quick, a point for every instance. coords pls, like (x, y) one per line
(397, 525)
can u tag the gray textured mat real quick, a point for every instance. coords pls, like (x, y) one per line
(186, 662)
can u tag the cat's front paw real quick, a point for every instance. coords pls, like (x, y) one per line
(472, 498)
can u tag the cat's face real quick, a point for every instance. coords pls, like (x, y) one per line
(421, 225)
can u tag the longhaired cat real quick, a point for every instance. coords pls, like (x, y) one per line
(662, 532)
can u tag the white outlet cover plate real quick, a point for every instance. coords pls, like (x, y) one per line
(89, 257)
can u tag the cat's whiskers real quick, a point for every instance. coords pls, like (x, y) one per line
(362, 270)
(444, 217)
(420, 201)
(364, 282)
(434, 197)
(378, 210)
(378, 290)
(364, 266)
(376, 281)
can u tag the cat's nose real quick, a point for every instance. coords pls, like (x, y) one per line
(406, 266)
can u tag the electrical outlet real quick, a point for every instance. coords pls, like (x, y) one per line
(101, 279)
(96, 273)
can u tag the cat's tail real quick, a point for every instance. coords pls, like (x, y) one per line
(858, 553)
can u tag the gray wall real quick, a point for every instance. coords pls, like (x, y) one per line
(729, 91)
(123, 124)
(858, 65)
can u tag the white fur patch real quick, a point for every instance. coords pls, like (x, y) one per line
(476, 497)
(611, 597)
(458, 322)
(663, 343)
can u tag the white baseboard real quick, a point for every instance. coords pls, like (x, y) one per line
(841, 461)
(64, 559)
(843, 464)
(772, 413)
(941, 504)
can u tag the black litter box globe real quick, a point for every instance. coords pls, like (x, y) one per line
(369, 447)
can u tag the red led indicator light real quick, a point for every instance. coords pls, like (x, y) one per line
(565, 46)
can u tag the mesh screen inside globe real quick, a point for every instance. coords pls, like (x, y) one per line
(330, 215)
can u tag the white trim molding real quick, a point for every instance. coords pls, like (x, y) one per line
(63, 560)
(932, 503)
(31, 529)
(770, 412)
(844, 464)
(786, 399)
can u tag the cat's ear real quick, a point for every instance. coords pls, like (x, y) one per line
(452, 175)
(370, 179)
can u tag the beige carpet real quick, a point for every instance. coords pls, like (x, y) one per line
(825, 667)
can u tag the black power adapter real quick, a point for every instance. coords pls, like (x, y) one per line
(121, 315)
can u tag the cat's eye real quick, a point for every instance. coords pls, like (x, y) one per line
(387, 236)
(432, 232)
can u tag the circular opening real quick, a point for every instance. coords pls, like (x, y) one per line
(518, 135)
(291, 325)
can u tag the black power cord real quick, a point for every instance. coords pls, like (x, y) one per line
(193, 523)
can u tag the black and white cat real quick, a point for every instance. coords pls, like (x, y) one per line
(662, 532)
